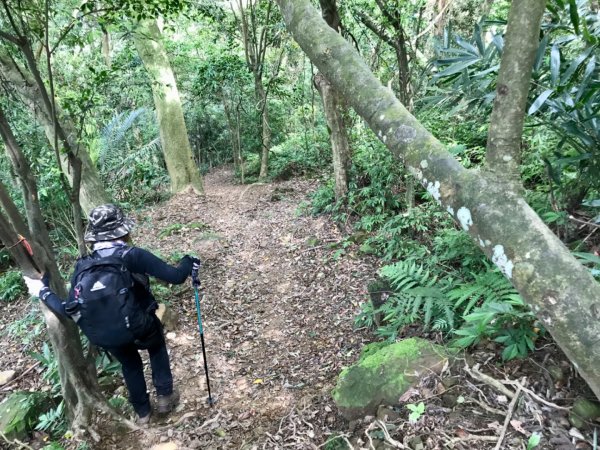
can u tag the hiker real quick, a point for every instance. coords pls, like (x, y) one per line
(104, 322)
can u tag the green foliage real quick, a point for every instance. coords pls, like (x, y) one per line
(566, 93)
(419, 296)
(53, 446)
(373, 187)
(28, 328)
(533, 441)
(406, 234)
(12, 286)
(295, 157)
(416, 411)
(50, 363)
(335, 442)
(509, 323)
(53, 422)
(130, 159)
(470, 305)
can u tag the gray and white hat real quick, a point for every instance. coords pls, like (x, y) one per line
(107, 222)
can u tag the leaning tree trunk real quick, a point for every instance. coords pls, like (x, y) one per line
(334, 112)
(562, 293)
(183, 172)
(92, 192)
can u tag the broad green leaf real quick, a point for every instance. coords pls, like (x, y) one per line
(539, 56)
(456, 68)
(574, 15)
(575, 65)
(587, 257)
(478, 39)
(554, 64)
(587, 75)
(467, 46)
(538, 102)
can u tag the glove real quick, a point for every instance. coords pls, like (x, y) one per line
(34, 286)
(195, 262)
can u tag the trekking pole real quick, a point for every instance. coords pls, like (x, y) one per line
(196, 284)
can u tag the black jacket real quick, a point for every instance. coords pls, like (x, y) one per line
(142, 264)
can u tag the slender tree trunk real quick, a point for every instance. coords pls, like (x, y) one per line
(562, 293)
(234, 133)
(263, 109)
(335, 112)
(338, 135)
(521, 42)
(183, 172)
(106, 48)
(238, 136)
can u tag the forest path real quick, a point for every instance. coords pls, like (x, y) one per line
(277, 310)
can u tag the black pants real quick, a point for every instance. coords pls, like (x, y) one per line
(133, 372)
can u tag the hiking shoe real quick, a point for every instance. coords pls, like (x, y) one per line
(144, 420)
(166, 403)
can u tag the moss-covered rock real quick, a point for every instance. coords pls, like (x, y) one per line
(19, 413)
(584, 410)
(383, 373)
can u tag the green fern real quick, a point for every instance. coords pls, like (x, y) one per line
(490, 286)
(419, 296)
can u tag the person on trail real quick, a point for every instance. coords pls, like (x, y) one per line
(125, 321)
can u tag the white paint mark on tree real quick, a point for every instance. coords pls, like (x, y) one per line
(464, 218)
(501, 260)
(507, 158)
(434, 190)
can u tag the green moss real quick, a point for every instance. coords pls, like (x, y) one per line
(371, 349)
(408, 348)
(383, 373)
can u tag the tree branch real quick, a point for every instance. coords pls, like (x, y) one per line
(366, 20)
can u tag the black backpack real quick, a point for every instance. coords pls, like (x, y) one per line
(103, 304)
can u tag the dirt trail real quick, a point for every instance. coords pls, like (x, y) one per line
(278, 310)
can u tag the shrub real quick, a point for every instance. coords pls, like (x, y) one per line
(12, 286)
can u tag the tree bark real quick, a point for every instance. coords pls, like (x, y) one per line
(261, 99)
(183, 172)
(503, 155)
(334, 112)
(562, 293)
(256, 42)
(92, 192)
(338, 135)
(79, 385)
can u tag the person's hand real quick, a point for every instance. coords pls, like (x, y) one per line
(195, 262)
(34, 286)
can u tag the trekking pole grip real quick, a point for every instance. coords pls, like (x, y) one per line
(195, 270)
